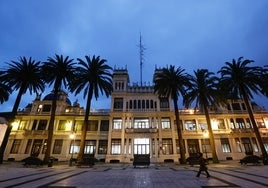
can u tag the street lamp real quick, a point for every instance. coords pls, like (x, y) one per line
(72, 137)
(205, 135)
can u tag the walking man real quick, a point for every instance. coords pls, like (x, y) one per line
(203, 166)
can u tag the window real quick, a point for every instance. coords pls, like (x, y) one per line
(90, 147)
(167, 148)
(118, 103)
(190, 125)
(92, 125)
(240, 124)
(78, 125)
(232, 124)
(116, 146)
(141, 123)
(221, 124)
(42, 125)
(34, 124)
(74, 147)
(22, 125)
(254, 145)
(28, 146)
(248, 124)
(130, 104)
(247, 145)
(57, 146)
(44, 147)
(36, 148)
(260, 123)
(236, 106)
(103, 144)
(104, 126)
(62, 125)
(265, 143)
(141, 146)
(47, 108)
(15, 146)
(165, 123)
(164, 103)
(202, 124)
(225, 146)
(206, 145)
(151, 104)
(117, 123)
(238, 145)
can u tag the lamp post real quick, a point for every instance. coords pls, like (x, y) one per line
(205, 135)
(72, 137)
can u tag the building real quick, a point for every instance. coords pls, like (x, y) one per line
(138, 122)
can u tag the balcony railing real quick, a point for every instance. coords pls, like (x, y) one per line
(141, 130)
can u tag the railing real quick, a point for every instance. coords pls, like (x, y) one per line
(141, 130)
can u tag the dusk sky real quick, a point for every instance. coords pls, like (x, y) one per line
(192, 34)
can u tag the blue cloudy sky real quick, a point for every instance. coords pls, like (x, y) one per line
(191, 34)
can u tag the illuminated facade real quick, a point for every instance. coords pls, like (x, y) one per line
(138, 122)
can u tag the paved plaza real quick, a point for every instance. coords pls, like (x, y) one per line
(224, 174)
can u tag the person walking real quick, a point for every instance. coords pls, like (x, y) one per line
(202, 166)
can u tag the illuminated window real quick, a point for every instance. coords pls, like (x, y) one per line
(103, 144)
(117, 123)
(116, 146)
(165, 123)
(167, 148)
(225, 146)
(74, 147)
(62, 125)
(190, 125)
(90, 147)
(141, 123)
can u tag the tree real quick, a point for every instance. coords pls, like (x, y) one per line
(204, 91)
(23, 75)
(5, 90)
(171, 82)
(57, 70)
(92, 76)
(242, 80)
(264, 81)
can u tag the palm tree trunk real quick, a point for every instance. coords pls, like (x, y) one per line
(85, 125)
(51, 124)
(255, 127)
(179, 131)
(18, 99)
(211, 137)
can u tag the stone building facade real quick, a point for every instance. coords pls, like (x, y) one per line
(138, 122)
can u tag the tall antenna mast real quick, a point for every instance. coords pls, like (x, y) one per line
(141, 57)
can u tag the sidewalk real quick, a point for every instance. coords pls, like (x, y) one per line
(224, 174)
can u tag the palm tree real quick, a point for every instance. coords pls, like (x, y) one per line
(242, 80)
(23, 75)
(264, 81)
(57, 70)
(5, 90)
(171, 82)
(92, 76)
(204, 92)
(20, 75)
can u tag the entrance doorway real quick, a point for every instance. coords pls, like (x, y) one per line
(193, 147)
(141, 146)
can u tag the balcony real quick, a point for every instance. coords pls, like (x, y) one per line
(35, 132)
(141, 130)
